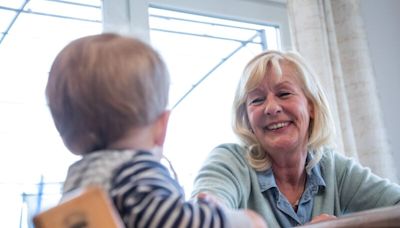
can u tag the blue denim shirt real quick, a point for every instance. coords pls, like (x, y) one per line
(281, 207)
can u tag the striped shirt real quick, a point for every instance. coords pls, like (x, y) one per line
(142, 190)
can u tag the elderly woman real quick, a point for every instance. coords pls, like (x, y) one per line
(285, 168)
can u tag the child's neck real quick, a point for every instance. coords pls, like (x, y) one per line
(135, 139)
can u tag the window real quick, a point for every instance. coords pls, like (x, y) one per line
(205, 56)
(32, 33)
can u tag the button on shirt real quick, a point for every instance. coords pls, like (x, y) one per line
(281, 207)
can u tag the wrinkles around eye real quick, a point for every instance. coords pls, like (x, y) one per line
(256, 101)
(284, 94)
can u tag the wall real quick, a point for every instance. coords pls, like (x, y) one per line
(381, 21)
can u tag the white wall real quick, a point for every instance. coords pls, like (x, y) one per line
(382, 25)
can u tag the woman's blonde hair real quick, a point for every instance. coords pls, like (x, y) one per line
(102, 85)
(321, 129)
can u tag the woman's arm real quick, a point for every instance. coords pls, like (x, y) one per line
(360, 189)
(225, 174)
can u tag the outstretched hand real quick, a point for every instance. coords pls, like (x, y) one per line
(256, 220)
(210, 198)
(322, 217)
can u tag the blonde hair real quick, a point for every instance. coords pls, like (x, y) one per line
(102, 85)
(321, 129)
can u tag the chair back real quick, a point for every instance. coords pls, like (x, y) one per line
(89, 208)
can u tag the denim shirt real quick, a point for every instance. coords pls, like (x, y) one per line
(281, 207)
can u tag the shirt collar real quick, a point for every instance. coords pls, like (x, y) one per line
(266, 179)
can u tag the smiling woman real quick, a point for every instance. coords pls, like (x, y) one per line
(288, 113)
(286, 168)
(278, 81)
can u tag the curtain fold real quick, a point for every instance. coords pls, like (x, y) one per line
(330, 35)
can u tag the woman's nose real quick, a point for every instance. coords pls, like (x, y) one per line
(272, 106)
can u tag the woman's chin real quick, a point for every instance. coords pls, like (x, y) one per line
(283, 145)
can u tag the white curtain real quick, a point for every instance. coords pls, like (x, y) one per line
(330, 35)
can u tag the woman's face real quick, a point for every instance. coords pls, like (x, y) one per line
(279, 113)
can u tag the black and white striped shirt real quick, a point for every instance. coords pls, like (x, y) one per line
(143, 191)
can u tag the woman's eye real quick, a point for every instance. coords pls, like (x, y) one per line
(257, 100)
(283, 94)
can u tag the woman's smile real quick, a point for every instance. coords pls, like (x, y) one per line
(276, 126)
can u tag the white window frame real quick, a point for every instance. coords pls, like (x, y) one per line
(130, 17)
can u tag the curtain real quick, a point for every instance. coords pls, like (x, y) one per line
(330, 35)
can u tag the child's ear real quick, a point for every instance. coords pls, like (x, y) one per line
(161, 128)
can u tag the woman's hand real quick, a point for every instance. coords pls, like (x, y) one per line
(322, 217)
(210, 198)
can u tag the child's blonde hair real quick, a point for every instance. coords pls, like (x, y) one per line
(101, 86)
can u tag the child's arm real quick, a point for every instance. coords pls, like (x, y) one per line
(255, 220)
(146, 196)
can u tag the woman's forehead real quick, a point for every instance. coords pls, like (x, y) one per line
(274, 74)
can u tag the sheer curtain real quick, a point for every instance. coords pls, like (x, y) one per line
(330, 34)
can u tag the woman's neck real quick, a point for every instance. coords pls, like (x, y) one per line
(291, 187)
(290, 175)
(289, 167)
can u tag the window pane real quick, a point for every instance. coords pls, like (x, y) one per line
(205, 57)
(5, 18)
(32, 148)
(66, 8)
(15, 4)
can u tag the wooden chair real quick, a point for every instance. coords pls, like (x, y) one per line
(381, 217)
(89, 208)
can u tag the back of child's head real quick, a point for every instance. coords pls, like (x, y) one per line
(101, 86)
